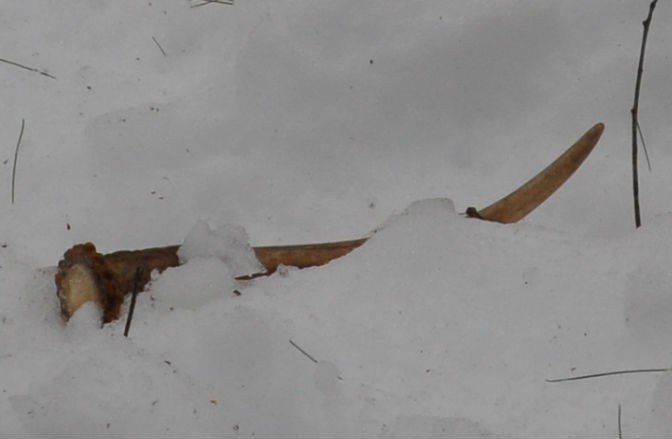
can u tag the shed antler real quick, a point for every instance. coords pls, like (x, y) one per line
(85, 275)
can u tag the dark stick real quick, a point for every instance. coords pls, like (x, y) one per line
(302, 351)
(620, 430)
(634, 112)
(16, 155)
(159, 45)
(32, 69)
(136, 287)
(604, 374)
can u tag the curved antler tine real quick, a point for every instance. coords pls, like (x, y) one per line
(529, 196)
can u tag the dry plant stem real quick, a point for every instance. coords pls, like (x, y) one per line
(605, 374)
(159, 46)
(131, 309)
(207, 2)
(31, 69)
(16, 155)
(634, 112)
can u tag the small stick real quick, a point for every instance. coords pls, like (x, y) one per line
(620, 430)
(207, 2)
(16, 155)
(136, 287)
(32, 69)
(604, 374)
(159, 45)
(634, 113)
(302, 351)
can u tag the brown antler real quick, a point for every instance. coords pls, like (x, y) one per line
(529, 196)
(85, 275)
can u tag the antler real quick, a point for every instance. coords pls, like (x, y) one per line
(85, 275)
(529, 196)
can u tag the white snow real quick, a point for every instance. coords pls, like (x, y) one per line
(296, 122)
(229, 243)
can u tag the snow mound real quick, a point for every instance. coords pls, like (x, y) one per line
(228, 243)
(194, 284)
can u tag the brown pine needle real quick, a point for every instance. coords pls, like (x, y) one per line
(604, 374)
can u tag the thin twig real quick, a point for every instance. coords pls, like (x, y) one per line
(32, 69)
(646, 150)
(620, 430)
(136, 287)
(302, 351)
(16, 155)
(634, 112)
(604, 374)
(207, 2)
(159, 45)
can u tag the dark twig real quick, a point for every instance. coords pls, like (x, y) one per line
(32, 69)
(634, 112)
(302, 351)
(620, 430)
(159, 46)
(207, 2)
(604, 374)
(16, 155)
(136, 287)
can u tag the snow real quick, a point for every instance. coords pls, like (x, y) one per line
(289, 122)
(229, 243)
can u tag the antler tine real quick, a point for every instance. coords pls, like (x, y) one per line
(535, 191)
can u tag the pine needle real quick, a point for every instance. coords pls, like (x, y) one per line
(16, 155)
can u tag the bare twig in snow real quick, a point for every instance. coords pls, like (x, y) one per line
(32, 69)
(207, 2)
(16, 156)
(634, 113)
(136, 289)
(646, 151)
(303, 352)
(604, 374)
(159, 46)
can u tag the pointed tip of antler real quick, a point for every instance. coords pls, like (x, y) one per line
(535, 191)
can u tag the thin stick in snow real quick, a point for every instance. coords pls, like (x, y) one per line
(16, 155)
(32, 69)
(634, 113)
(207, 2)
(604, 374)
(159, 46)
(136, 288)
(302, 351)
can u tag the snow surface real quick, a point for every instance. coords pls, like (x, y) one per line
(310, 121)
